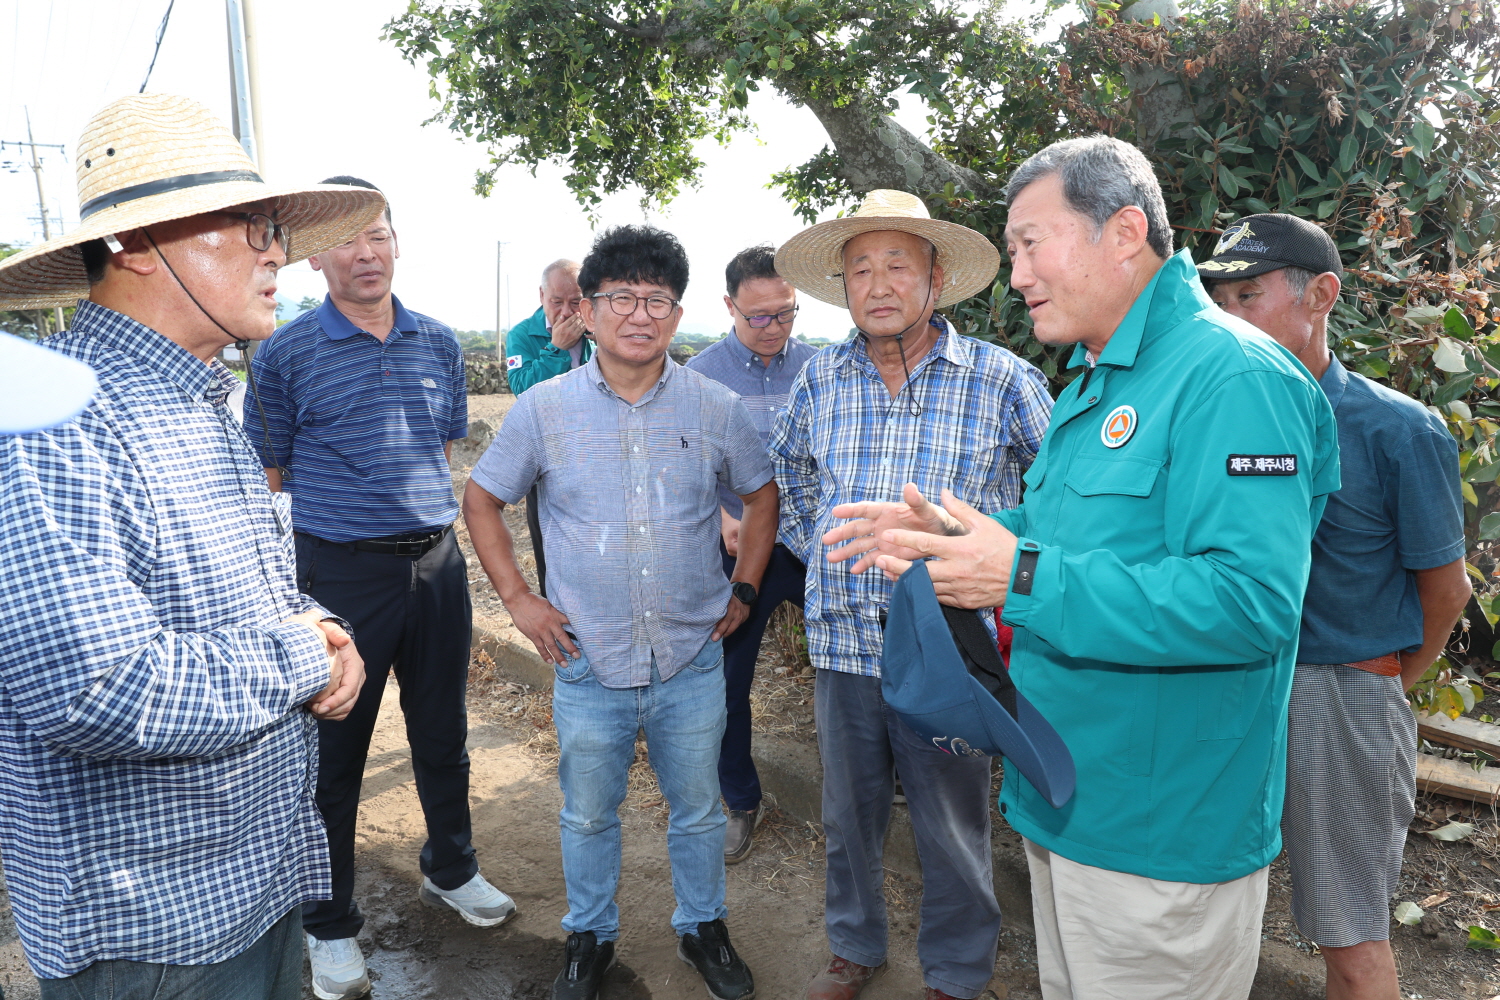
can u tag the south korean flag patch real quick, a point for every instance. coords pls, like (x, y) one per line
(1261, 465)
(513, 362)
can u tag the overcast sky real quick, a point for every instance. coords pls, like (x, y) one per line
(337, 100)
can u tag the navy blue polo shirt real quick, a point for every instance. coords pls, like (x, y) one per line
(360, 425)
(1400, 509)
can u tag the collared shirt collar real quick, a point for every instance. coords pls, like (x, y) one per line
(1334, 381)
(1174, 286)
(596, 375)
(211, 382)
(744, 356)
(953, 349)
(336, 326)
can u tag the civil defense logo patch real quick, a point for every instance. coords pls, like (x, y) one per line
(1118, 427)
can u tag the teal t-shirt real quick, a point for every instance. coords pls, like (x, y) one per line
(1172, 506)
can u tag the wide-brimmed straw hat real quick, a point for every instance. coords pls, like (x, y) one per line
(813, 259)
(156, 157)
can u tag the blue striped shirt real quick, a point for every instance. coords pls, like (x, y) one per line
(156, 765)
(762, 387)
(844, 439)
(629, 508)
(359, 424)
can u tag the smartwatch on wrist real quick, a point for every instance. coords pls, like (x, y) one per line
(743, 592)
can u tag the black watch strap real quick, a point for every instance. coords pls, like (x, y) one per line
(744, 592)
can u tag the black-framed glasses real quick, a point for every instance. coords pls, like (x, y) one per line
(262, 230)
(624, 303)
(763, 320)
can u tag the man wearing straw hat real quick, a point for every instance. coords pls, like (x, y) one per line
(160, 675)
(907, 400)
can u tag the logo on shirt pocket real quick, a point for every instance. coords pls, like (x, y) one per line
(430, 383)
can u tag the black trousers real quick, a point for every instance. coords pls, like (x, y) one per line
(534, 525)
(411, 615)
(739, 782)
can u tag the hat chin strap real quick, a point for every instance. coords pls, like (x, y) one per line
(241, 344)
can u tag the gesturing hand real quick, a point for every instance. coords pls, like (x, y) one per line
(970, 571)
(543, 624)
(872, 518)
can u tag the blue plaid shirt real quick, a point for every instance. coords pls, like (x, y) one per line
(843, 439)
(156, 764)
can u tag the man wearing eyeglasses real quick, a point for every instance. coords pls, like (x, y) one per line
(360, 401)
(630, 450)
(759, 360)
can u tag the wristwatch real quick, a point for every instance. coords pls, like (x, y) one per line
(743, 592)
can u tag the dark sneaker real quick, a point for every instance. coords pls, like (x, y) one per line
(842, 980)
(724, 972)
(739, 833)
(583, 971)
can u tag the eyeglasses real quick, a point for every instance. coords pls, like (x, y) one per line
(262, 230)
(762, 321)
(624, 303)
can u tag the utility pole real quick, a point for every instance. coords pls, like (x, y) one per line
(241, 84)
(499, 284)
(41, 198)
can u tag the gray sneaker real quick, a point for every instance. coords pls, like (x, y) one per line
(739, 834)
(478, 902)
(338, 969)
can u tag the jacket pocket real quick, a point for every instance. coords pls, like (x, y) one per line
(1128, 477)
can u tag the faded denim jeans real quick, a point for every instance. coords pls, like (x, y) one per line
(683, 719)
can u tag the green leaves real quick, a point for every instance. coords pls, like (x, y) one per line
(1482, 939)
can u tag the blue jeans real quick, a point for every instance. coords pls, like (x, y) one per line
(683, 719)
(270, 969)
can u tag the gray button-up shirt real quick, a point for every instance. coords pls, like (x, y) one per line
(629, 508)
(763, 387)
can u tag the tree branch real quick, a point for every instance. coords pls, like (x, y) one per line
(877, 152)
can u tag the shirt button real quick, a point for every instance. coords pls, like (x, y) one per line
(635, 447)
(645, 572)
(1093, 399)
(642, 529)
(637, 489)
(648, 614)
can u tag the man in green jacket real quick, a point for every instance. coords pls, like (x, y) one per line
(549, 342)
(1154, 574)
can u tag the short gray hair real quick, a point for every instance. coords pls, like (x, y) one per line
(571, 266)
(1101, 175)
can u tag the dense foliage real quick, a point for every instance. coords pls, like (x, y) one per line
(1378, 120)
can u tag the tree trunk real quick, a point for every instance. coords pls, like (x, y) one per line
(1162, 107)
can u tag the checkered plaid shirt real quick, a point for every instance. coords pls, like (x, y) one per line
(843, 438)
(156, 765)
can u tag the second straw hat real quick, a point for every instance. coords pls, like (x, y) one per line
(813, 259)
(152, 158)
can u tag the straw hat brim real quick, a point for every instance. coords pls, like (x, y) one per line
(320, 217)
(812, 261)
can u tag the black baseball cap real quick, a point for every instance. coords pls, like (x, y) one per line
(1259, 244)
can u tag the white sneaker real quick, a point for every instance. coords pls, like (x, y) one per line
(338, 969)
(478, 902)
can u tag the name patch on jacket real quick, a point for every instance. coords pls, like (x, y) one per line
(1262, 465)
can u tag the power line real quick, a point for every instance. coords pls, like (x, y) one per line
(161, 32)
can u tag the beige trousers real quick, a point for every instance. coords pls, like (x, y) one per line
(1103, 935)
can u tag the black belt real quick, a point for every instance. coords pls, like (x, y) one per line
(397, 545)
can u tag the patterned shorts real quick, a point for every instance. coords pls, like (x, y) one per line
(1351, 792)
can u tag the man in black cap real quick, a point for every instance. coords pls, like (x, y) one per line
(1386, 586)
